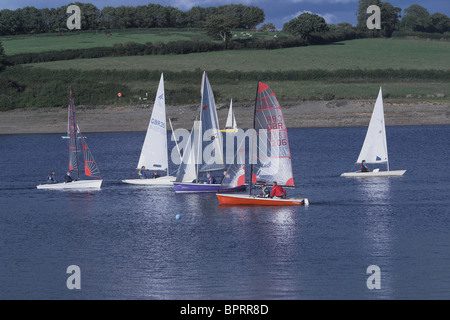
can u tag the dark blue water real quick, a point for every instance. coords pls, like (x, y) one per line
(129, 245)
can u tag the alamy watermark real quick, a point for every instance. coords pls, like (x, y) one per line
(264, 146)
(374, 21)
(74, 280)
(74, 21)
(374, 280)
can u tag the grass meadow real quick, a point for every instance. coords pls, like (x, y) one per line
(380, 54)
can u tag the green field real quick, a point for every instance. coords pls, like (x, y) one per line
(354, 54)
(233, 74)
(91, 39)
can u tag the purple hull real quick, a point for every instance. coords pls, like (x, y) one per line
(203, 188)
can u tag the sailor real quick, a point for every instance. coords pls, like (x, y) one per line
(265, 193)
(51, 177)
(277, 191)
(364, 167)
(68, 178)
(210, 179)
(142, 174)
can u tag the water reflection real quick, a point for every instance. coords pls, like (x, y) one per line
(271, 269)
(378, 233)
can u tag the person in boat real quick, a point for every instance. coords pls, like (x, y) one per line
(277, 191)
(68, 178)
(364, 167)
(51, 177)
(265, 193)
(155, 175)
(142, 173)
(210, 179)
(225, 175)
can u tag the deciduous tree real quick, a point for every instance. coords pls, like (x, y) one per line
(220, 26)
(305, 24)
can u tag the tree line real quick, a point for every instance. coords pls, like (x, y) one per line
(415, 19)
(30, 20)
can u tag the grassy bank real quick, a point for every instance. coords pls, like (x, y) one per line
(372, 54)
(101, 38)
(408, 70)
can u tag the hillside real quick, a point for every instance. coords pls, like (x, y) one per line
(414, 74)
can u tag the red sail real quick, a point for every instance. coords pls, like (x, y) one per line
(274, 156)
(75, 137)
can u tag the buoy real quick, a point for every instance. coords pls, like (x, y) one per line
(177, 217)
(119, 94)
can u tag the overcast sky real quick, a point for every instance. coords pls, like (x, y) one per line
(277, 11)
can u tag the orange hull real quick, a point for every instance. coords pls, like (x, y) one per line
(227, 199)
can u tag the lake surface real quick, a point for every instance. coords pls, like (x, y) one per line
(128, 243)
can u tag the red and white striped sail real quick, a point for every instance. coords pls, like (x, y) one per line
(274, 156)
(77, 144)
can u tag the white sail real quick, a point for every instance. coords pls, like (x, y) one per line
(374, 149)
(187, 171)
(231, 120)
(154, 151)
(211, 142)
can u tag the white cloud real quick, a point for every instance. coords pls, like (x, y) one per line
(329, 18)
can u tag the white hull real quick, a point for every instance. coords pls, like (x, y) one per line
(161, 181)
(74, 185)
(359, 174)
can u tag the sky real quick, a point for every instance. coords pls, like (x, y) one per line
(277, 11)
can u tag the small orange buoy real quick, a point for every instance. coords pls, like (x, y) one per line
(119, 94)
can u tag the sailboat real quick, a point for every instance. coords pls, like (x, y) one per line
(374, 149)
(205, 136)
(154, 152)
(77, 144)
(270, 165)
(230, 125)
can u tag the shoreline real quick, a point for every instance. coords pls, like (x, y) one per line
(298, 114)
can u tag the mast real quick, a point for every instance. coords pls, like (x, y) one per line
(73, 139)
(251, 153)
(384, 130)
(199, 144)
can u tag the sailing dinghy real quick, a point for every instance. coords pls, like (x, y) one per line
(230, 125)
(205, 135)
(374, 149)
(276, 165)
(154, 153)
(77, 144)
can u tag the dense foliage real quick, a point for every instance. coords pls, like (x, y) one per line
(23, 87)
(30, 20)
(305, 24)
(157, 48)
(3, 60)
